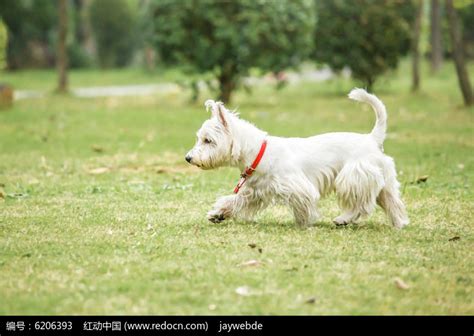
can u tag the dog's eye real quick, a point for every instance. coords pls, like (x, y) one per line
(207, 141)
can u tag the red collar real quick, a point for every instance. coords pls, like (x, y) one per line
(249, 170)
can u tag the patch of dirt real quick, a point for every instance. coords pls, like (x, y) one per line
(177, 169)
(165, 163)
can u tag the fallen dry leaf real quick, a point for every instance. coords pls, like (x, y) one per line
(243, 291)
(97, 148)
(422, 179)
(98, 171)
(454, 238)
(212, 307)
(401, 284)
(311, 300)
(291, 269)
(252, 262)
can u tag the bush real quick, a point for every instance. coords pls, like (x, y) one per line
(78, 57)
(30, 26)
(227, 38)
(113, 24)
(368, 36)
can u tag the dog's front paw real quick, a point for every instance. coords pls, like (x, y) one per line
(344, 219)
(215, 217)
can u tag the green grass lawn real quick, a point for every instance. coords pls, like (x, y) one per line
(99, 213)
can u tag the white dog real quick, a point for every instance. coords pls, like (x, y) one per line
(299, 171)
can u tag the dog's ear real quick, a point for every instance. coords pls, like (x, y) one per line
(218, 110)
(222, 113)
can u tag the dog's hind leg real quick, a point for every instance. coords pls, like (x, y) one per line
(357, 186)
(389, 197)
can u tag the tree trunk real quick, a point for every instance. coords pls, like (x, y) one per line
(61, 57)
(227, 81)
(150, 58)
(436, 36)
(458, 54)
(415, 47)
(370, 83)
(226, 86)
(6, 96)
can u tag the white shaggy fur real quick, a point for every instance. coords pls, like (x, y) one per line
(299, 171)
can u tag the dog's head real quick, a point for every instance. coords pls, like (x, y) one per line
(214, 143)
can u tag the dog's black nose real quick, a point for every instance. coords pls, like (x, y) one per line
(188, 158)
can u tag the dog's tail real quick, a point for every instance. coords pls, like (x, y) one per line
(380, 128)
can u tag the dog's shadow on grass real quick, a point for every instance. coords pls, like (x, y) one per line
(274, 225)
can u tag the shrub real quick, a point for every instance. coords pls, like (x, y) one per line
(30, 26)
(368, 36)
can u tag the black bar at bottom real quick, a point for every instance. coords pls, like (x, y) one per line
(233, 325)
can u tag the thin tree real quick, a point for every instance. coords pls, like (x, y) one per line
(458, 54)
(61, 56)
(416, 46)
(436, 36)
(83, 29)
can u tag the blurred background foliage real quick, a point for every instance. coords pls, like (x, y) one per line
(376, 34)
(114, 28)
(223, 41)
(229, 38)
(31, 29)
(3, 44)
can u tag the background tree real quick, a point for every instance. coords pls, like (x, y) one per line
(227, 38)
(416, 31)
(367, 36)
(146, 35)
(31, 25)
(3, 44)
(465, 11)
(6, 91)
(61, 58)
(83, 29)
(458, 54)
(81, 47)
(113, 24)
(436, 35)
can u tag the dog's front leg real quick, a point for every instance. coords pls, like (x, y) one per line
(303, 202)
(244, 205)
(223, 208)
(304, 211)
